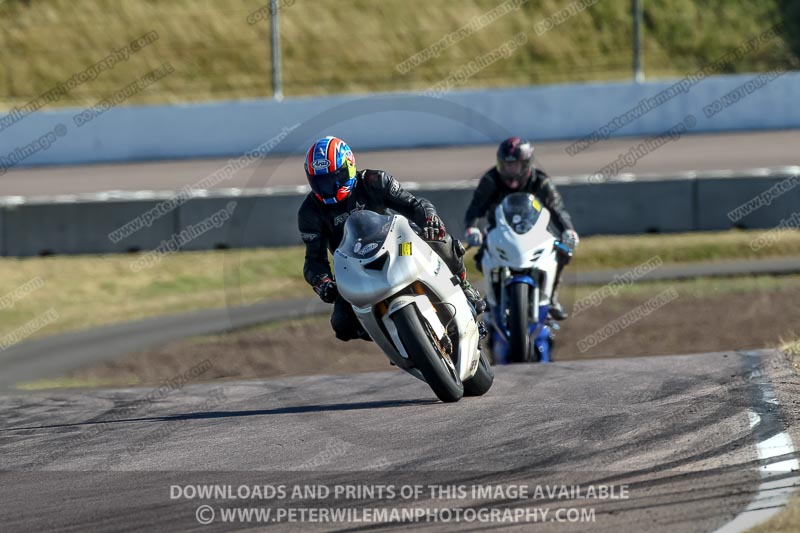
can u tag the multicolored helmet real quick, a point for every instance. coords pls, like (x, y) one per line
(331, 170)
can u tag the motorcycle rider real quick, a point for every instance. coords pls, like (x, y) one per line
(337, 190)
(515, 172)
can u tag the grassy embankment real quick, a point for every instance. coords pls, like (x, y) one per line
(87, 291)
(334, 47)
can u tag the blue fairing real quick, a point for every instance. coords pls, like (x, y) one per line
(543, 310)
(540, 332)
(563, 247)
(542, 343)
(520, 279)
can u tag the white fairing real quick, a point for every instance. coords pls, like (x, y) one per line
(377, 293)
(533, 251)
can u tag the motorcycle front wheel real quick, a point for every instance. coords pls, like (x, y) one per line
(481, 382)
(437, 368)
(519, 341)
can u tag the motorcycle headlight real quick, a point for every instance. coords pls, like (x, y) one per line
(522, 227)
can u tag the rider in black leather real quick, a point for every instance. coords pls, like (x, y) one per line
(515, 172)
(323, 214)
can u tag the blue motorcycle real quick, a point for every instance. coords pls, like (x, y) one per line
(519, 264)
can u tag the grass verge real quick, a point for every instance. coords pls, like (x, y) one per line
(86, 291)
(620, 251)
(699, 320)
(787, 521)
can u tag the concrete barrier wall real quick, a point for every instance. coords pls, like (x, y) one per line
(79, 228)
(391, 121)
(777, 198)
(636, 207)
(255, 221)
(677, 204)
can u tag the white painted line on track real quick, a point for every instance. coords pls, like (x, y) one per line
(119, 195)
(777, 484)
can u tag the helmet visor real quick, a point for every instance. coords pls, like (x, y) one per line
(514, 170)
(327, 185)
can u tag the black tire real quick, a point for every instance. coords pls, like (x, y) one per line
(481, 382)
(419, 345)
(519, 341)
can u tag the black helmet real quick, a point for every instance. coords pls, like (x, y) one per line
(515, 162)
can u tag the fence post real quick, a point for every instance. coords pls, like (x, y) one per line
(638, 72)
(277, 86)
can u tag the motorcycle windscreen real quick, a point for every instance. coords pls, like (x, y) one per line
(364, 234)
(521, 211)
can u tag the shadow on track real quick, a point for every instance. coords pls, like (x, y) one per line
(300, 409)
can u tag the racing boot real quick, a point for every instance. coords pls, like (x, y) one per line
(556, 309)
(482, 332)
(363, 335)
(472, 294)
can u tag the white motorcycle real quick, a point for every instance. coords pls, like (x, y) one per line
(411, 305)
(519, 266)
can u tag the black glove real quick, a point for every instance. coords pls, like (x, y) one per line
(434, 229)
(326, 289)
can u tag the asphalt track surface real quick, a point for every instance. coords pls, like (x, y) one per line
(671, 434)
(672, 438)
(731, 151)
(57, 355)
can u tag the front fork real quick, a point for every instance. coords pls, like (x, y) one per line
(504, 280)
(539, 329)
